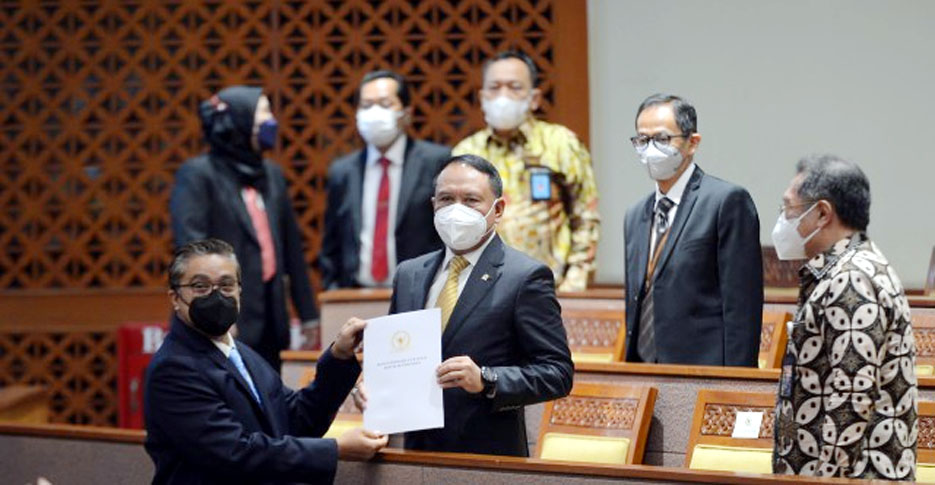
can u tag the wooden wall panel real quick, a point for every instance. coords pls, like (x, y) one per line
(98, 107)
(78, 366)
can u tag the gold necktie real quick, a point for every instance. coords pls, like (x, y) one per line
(449, 295)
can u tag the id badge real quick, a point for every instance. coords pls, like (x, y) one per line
(787, 378)
(540, 184)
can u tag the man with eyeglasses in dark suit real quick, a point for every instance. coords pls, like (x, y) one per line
(694, 274)
(217, 412)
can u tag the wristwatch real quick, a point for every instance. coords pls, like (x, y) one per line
(489, 377)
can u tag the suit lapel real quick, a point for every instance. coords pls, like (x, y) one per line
(641, 240)
(270, 202)
(423, 279)
(681, 217)
(240, 206)
(261, 389)
(410, 177)
(203, 345)
(355, 188)
(482, 279)
(226, 363)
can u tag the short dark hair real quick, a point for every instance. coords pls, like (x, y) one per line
(402, 89)
(481, 165)
(511, 54)
(685, 116)
(198, 248)
(840, 182)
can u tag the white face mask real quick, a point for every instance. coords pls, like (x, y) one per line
(378, 126)
(789, 244)
(662, 163)
(461, 227)
(504, 113)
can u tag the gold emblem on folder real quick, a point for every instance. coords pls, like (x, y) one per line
(401, 341)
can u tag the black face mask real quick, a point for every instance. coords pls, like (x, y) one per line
(214, 313)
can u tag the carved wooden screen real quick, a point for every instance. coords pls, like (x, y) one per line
(77, 366)
(98, 103)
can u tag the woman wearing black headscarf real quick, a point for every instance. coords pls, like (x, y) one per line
(232, 193)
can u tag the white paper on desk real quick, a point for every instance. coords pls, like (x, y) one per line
(401, 354)
(747, 424)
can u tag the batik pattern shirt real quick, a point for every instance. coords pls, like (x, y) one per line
(847, 403)
(562, 231)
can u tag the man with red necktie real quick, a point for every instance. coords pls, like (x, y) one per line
(379, 209)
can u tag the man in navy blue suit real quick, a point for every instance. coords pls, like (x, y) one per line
(216, 412)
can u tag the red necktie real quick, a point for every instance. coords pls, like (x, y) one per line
(378, 264)
(263, 234)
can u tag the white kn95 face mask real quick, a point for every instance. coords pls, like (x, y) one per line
(461, 227)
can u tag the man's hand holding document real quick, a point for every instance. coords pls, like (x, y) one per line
(401, 355)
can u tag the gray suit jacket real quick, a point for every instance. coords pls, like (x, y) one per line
(708, 293)
(507, 318)
(339, 259)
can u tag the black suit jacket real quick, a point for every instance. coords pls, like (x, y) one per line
(507, 318)
(204, 426)
(206, 202)
(708, 293)
(339, 259)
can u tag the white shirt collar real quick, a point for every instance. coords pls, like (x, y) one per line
(222, 344)
(473, 257)
(395, 154)
(677, 189)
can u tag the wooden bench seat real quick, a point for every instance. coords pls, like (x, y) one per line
(711, 445)
(597, 423)
(24, 404)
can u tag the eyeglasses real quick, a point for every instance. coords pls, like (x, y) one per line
(659, 139)
(783, 208)
(202, 288)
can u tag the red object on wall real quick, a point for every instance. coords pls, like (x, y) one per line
(136, 344)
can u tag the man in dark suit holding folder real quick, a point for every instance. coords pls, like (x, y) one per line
(503, 342)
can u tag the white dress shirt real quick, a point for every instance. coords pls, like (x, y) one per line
(368, 209)
(222, 344)
(675, 195)
(259, 199)
(439, 283)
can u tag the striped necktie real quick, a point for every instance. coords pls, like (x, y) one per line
(449, 295)
(646, 340)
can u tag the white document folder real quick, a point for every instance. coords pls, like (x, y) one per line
(401, 355)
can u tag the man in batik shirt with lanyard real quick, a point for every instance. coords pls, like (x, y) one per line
(847, 404)
(548, 183)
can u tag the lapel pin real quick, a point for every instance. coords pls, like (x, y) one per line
(485, 277)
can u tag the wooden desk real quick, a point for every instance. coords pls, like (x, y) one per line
(24, 404)
(339, 305)
(678, 388)
(37, 308)
(83, 454)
